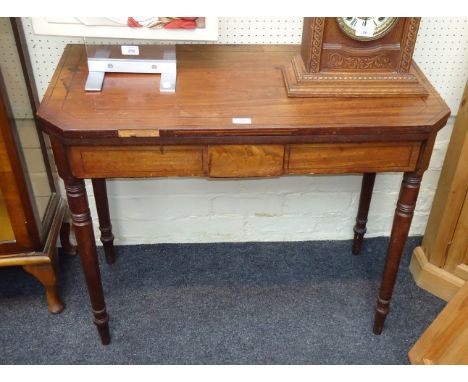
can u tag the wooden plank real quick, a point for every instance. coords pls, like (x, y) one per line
(317, 158)
(146, 161)
(445, 342)
(235, 161)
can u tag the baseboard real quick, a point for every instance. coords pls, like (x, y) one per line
(433, 279)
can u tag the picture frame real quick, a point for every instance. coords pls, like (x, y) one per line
(104, 27)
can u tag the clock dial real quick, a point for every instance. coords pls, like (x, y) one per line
(366, 28)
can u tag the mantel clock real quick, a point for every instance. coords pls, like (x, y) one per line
(355, 57)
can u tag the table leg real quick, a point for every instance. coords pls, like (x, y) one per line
(105, 226)
(360, 229)
(400, 229)
(83, 226)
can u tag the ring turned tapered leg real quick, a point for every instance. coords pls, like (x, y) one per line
(83, 226)
(102, 206)
(401, 225)
(360, 229)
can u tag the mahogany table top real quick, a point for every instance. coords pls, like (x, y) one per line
(216, 83)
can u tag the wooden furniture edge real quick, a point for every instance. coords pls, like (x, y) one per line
(444, 341)
(433, 279)
(39, 257)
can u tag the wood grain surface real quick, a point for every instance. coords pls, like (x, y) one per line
(216, 83)
(241, 160)
(370, 157)
(120, 161)
(245, 160)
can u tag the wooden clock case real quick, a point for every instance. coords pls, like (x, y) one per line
(331, 64)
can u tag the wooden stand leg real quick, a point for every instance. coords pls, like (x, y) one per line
(401, 225)
(360, 229)
(83, 226)
(67, 246)
(102, 206)
(45, 273)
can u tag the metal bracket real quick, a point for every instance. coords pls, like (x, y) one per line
(156, 59)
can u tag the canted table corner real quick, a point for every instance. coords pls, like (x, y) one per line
(130, 129)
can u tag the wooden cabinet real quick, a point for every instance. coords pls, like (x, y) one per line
(31, 212)
(440, 264)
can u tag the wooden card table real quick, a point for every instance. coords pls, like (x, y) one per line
(229, 117)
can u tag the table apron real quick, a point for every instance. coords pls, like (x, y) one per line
(242, 160)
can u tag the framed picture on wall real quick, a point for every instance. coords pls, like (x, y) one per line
(141, 27)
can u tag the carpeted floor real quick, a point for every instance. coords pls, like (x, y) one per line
(226, 303)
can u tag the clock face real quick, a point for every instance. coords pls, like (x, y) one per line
(366, 28)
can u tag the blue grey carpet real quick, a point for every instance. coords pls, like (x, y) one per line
(226, 303)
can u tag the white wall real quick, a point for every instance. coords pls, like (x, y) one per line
(288, 208)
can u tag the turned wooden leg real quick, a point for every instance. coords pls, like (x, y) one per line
(102, 206)
(360, 229)
(401, 225)
(83, 226)
(67, 247)
(45, 273)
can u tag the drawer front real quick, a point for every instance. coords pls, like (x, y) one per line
(237, 161)
(245, 160)
(350, 157)
(142, 161)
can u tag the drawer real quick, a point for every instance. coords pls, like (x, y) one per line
(139, 161)
(351, 157)
(236, 161)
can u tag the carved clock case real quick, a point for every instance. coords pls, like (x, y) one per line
(334, 63)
